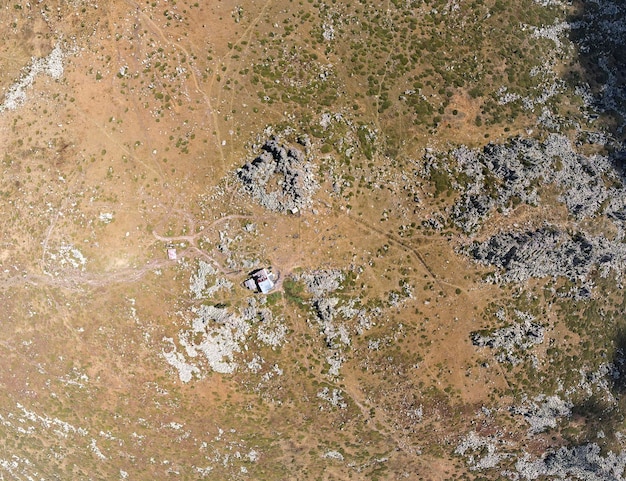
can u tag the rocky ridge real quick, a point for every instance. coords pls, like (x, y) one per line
(500, 176)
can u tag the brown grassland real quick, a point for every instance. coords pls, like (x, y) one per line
(135, 147)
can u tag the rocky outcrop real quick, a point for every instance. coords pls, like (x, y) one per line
(549, 252)
(543, 412)
(501, 176)
(507, 340)
(280, 178)
(493, 177)
(321, 282)
(584, 462)
(600, 40)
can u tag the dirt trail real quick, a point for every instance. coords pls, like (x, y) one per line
(377, 419)
(192, 227)
(194, 76)
(78, 280)
(227, 58)
(395, 240)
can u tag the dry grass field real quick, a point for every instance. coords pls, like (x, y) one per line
(123, 129)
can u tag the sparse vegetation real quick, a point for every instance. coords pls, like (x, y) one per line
(156, 154)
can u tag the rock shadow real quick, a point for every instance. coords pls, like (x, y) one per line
(603, 417)
(598, 30)
(619, 363)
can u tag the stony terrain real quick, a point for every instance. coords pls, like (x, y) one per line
(438, 186)
(294, 187)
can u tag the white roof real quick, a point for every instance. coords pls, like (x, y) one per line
(261, 279)
(265, 286)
